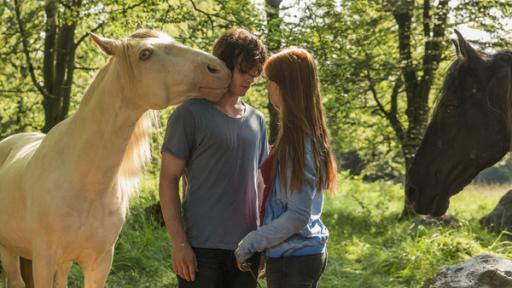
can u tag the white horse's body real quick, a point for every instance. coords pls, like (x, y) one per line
(64, 196)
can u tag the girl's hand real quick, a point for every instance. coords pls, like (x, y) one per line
(246, 266)
(262, 273)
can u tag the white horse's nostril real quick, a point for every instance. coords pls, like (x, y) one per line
(212, 69)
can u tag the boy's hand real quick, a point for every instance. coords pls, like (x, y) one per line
(184, 261)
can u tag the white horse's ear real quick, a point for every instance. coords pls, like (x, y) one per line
(140, 26)
(107, 45)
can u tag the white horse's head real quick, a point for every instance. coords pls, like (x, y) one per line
(159, 71)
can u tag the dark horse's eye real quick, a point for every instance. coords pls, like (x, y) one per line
(145, 54)
(451, 108)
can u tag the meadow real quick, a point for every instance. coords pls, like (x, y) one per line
(369, 246)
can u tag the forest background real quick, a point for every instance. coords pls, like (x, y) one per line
(381, 66)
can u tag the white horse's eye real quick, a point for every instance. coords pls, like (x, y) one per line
(145, 54)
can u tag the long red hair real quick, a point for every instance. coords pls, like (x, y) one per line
(295, 73)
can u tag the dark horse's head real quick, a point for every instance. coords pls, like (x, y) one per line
(469, 131)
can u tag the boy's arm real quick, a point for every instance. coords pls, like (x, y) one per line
(183, 258)
(260, 188)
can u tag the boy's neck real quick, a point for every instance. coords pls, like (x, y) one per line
(231, 105)
(229, 100)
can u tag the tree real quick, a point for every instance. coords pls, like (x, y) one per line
(417, 87)
(273, 44)
(49, 55)
(59, 55)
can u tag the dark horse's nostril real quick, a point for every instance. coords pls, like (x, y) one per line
(212, 69)
(412, 193)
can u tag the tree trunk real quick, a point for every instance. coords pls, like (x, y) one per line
(274, 44)
(59, 59)
(408, 211)
(418, 89)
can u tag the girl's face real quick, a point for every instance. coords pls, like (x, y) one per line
(274, 94)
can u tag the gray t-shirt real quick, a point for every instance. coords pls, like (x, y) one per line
(223, 156)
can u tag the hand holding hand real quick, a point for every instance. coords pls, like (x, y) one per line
(246, 266)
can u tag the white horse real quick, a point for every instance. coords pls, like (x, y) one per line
(64, 196)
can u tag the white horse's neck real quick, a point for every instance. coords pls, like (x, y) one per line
(105, 122)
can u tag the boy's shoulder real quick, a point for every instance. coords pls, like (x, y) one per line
(191, 107)
(195, 103)
(254, 112)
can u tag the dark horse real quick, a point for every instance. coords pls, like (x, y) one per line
(469, 131)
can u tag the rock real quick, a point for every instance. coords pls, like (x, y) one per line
(483, 271)
(500, 219)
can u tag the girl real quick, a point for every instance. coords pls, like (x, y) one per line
(298, 171)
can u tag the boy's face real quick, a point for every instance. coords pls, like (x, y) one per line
(241, 82)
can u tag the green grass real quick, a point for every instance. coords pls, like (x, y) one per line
(368, 246)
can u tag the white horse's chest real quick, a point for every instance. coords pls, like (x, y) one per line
(78, 221)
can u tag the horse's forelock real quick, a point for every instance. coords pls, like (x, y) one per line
(147, 33)
(451, 78)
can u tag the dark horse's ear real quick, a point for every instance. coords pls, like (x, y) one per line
(466, 51)
(456, 46)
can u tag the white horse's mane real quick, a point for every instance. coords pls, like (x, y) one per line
(137, 155)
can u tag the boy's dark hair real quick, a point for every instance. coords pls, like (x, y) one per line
(238, 46)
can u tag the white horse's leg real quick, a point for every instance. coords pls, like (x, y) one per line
(95, 275)
(11, 265)
(44, 267)
(61, 277)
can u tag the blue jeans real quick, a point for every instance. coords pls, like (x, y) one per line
(295, 271)
(218, 269)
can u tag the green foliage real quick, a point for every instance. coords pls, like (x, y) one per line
(354, 42)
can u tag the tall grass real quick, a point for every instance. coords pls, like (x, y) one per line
(368, 246)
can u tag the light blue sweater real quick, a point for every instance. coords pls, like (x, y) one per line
(292, 225)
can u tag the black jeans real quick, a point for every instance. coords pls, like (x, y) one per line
(295, 271)
(218, 269)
